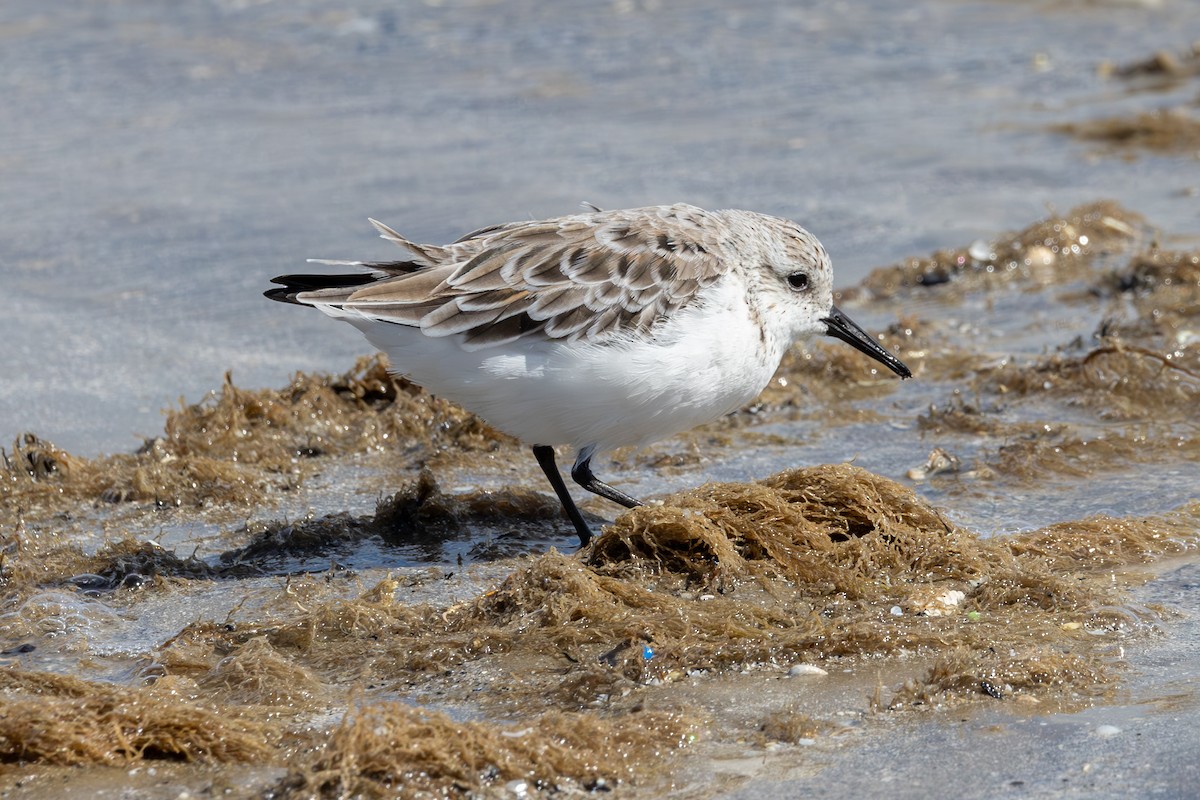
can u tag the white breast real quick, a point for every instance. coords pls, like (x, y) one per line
(711, 358)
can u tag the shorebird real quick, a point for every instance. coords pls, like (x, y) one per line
(596, 330)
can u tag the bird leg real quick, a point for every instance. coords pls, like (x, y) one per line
(545, 458)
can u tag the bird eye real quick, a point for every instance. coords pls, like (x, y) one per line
(798, 281)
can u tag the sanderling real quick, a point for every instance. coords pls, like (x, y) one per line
(596, 330)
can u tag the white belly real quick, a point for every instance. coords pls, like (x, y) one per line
(703, 364)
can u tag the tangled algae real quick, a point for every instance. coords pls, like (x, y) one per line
(570, 660)
(1163, 67)
(395, 750)
(810, 563)
(1052, 251)
(238, 446)
(1170, 130)
(54, 719)
(1056, 401)
(1163, 130)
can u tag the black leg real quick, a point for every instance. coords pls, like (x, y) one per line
(582, 473)
(545, 458)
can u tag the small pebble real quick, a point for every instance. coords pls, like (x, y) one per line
(897, 611)
(981, 251)
(805, 669)
(1107, 731)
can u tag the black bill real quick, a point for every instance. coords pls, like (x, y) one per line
(842, 327)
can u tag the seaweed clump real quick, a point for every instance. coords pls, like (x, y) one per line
(1169, 130)
(238, 446)
(67, 721)
(394, 750)
(809, 563)
(1163, 130)
(1051, 251)
(1161, 68)
(577, 656)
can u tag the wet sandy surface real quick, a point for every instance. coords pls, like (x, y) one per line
(978, 583)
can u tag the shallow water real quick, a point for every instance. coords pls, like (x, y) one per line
(368, 545)
(160, 164)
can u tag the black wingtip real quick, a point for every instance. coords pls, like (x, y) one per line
(292, 285)
(282, 294)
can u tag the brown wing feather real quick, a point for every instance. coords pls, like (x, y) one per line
(584, 276)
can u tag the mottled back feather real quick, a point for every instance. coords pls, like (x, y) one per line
(582, 277)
